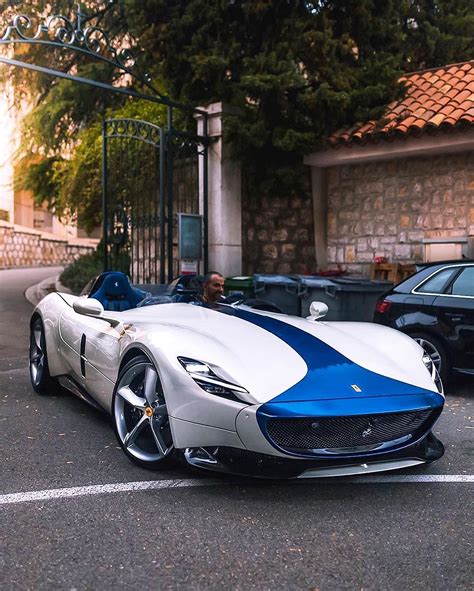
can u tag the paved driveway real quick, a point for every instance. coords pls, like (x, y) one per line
(76, 514)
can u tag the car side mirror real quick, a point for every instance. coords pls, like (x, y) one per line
(92, 307)
(88, 307)
(317, 310)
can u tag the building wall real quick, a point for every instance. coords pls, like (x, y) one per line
(8, 146)
(18, 206)
(21, 247)
(24, 209)
(277, 234)
(389, 208)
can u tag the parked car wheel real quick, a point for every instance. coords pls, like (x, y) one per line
(41, 380)
(436, 351)
(140, 416)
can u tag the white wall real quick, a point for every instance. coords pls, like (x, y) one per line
(7, 149)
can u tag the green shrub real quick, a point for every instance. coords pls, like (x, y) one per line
(77, 274)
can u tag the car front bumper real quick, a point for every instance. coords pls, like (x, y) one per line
(247, 463)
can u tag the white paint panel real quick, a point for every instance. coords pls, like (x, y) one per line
(251, 434)
(249, 355)
(186, 434)
(380, 349)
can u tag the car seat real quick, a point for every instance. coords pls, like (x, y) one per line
(116, 294)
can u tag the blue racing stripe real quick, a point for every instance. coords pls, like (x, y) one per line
(326, 389)
(330, 374)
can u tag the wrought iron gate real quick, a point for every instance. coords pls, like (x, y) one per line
(149, 174)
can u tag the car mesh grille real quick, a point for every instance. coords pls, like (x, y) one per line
(344, 432)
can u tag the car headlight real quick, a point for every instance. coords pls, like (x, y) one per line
(430, 366)
(207, 378)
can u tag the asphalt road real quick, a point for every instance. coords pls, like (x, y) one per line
(379, 533)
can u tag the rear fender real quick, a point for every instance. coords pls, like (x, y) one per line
(49, 310)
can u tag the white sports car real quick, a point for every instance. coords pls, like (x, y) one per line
(235, 389)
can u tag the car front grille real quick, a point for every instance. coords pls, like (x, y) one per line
(345, 434)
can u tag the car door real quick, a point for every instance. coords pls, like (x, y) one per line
(92, 349)
(417, 311)
(455, 311)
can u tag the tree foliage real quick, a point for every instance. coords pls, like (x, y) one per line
(297, 70)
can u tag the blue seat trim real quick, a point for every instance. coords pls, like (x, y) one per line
(115, 292)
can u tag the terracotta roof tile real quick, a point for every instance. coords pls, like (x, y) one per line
(452, 93)
(448, 109)
(457, 114)
(464, 96)
(427, 115)
(442, 97)
(444, 100)
(437, 119)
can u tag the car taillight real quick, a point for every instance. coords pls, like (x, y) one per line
(383, 306)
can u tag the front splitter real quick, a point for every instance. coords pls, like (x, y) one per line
(248, 463)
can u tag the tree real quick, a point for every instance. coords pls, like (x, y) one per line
(438, 33)
(296, 69)
(60, 155)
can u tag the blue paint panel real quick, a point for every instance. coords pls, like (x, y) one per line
(326, 391)
(342, 407)
(331, 374)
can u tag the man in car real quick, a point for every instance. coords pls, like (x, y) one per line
(212, 288)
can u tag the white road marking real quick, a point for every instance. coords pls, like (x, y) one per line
(99, 489)
(403, 478)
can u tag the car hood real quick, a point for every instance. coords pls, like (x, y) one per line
(279, 358)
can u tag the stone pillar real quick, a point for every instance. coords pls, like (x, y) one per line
(320, 214)
(224, 195)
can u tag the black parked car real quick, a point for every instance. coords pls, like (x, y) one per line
(435, 306)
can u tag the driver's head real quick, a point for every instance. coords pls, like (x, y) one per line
(213, 287)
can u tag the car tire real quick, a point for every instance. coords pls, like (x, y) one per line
(40, 377)
(437, 351)
(140, 417)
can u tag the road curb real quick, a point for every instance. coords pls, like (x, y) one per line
(35, 293)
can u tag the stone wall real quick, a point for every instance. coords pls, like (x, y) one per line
(277, 234)
(21, 247)
(389, 208)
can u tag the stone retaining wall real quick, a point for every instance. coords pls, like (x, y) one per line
(389, 208)
(278, 234)
(21, 247)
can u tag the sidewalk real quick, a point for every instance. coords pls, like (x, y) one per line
(36, 293)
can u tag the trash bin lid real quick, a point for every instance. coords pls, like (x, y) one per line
(315, 281)
(359, 284)
(275, 279)
(240, 280)
(343, 283)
